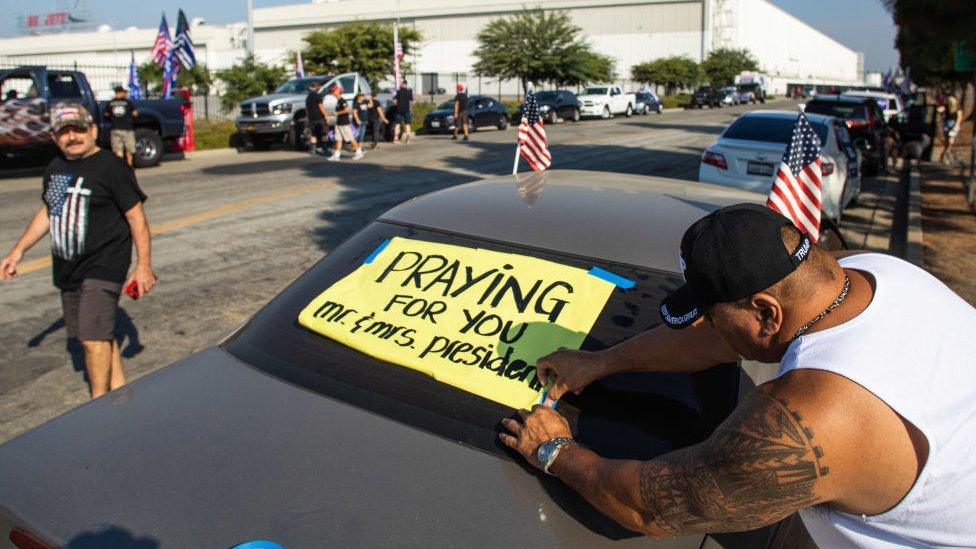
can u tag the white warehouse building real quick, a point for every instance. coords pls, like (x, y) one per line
(629, 31)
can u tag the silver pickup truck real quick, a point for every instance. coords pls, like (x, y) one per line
(280, 117)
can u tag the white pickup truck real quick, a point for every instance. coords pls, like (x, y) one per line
(606, 101)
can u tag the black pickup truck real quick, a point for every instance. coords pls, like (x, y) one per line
(27, 94)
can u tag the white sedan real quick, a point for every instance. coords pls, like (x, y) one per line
(748, 153)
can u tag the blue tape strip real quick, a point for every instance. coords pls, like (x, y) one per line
(258, 544)
(376, 252)
(612, 278)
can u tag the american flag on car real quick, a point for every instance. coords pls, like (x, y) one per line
(796, 191)
(68, 214)
(533, 144)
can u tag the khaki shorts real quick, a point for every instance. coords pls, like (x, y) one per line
(345, 132)
(89, 310)
(123, 141)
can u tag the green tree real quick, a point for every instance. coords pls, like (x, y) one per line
(724, 64)
(249, 78)
(537, 46)
(673, 72)
(198, 79)
(366, 48)
(929, 32)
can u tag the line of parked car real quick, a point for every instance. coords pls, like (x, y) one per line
(857, 130)
(279, 117)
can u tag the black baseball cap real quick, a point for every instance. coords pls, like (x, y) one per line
(728, 255)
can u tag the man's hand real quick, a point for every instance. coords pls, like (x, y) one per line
(569, 371)
(8, 266)
(144, 278)
(538, 426)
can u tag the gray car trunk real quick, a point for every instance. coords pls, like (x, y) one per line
(211, 453)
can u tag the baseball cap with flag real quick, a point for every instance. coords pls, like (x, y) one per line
(730, 254)
(70, 114)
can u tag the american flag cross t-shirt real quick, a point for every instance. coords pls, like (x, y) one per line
(86, 204)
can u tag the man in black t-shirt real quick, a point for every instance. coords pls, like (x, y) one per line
(460, 112)
(93, 214)
(316, 116)
(404, 113)
(121, 113)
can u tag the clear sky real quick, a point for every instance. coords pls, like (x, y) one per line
(862, 25)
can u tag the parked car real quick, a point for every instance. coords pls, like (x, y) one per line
(280, 116)
(747, 155)
(753, 87)
(706, 96)
(730, 95)
(280, 434)
(865, 122)
(554, 105)
(483, 111)
(25, 126)
(648, 102)
(606, 101)
(889, 103)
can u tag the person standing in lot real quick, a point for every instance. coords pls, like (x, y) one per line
(360, 114)
(952, 119)
(867, 430)
(404, 114)
(315, 117)
(377, 119)
(460, 112)
(343, 128)
(93, 213)
(121, 113)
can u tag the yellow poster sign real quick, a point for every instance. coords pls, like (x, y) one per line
(469, 317)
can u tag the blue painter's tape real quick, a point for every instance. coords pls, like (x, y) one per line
(612, 278)
(258, 544)
(372, 256)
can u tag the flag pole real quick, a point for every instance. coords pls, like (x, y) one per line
(515, 165)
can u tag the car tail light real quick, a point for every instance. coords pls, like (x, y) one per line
(714, 159)
(826, 168)
(25, 540)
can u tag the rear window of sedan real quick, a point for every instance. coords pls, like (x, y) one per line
(770, 129)
(853, 111)
(634, 416)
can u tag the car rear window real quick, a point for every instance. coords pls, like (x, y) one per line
(626, 416)
(768, 129)
(853, 111)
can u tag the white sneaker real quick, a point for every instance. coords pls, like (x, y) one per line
(359, 154)
(334, 158)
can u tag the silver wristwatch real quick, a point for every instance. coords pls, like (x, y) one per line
(548, 450)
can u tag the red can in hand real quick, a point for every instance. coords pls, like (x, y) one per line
(132, 289)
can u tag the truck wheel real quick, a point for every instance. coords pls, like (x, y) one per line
(629, 111)
(660, 109)
(297, 135)
(576, 115)
(552, 117)
(606, 113)
(149, 148)
(503, 122)
(472, 127)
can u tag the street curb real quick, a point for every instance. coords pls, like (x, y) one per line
(914, 248)
(207, 152)
(673, 109)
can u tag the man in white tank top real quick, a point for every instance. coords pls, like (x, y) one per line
(869, 431)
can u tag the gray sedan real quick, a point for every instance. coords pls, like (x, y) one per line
(278, 433)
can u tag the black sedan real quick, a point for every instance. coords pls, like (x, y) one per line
(554, 105)
(706, 95)
(482, 111)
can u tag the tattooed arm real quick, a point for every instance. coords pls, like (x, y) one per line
(761, 465)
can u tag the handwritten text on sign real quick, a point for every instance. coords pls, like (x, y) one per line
(472, 318)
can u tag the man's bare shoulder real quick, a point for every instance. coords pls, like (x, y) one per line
(863, 447)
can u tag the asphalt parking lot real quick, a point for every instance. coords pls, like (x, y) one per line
(233, 229)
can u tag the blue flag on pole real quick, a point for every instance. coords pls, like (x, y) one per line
(169, 76)
(183, 45)
(135, 91)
